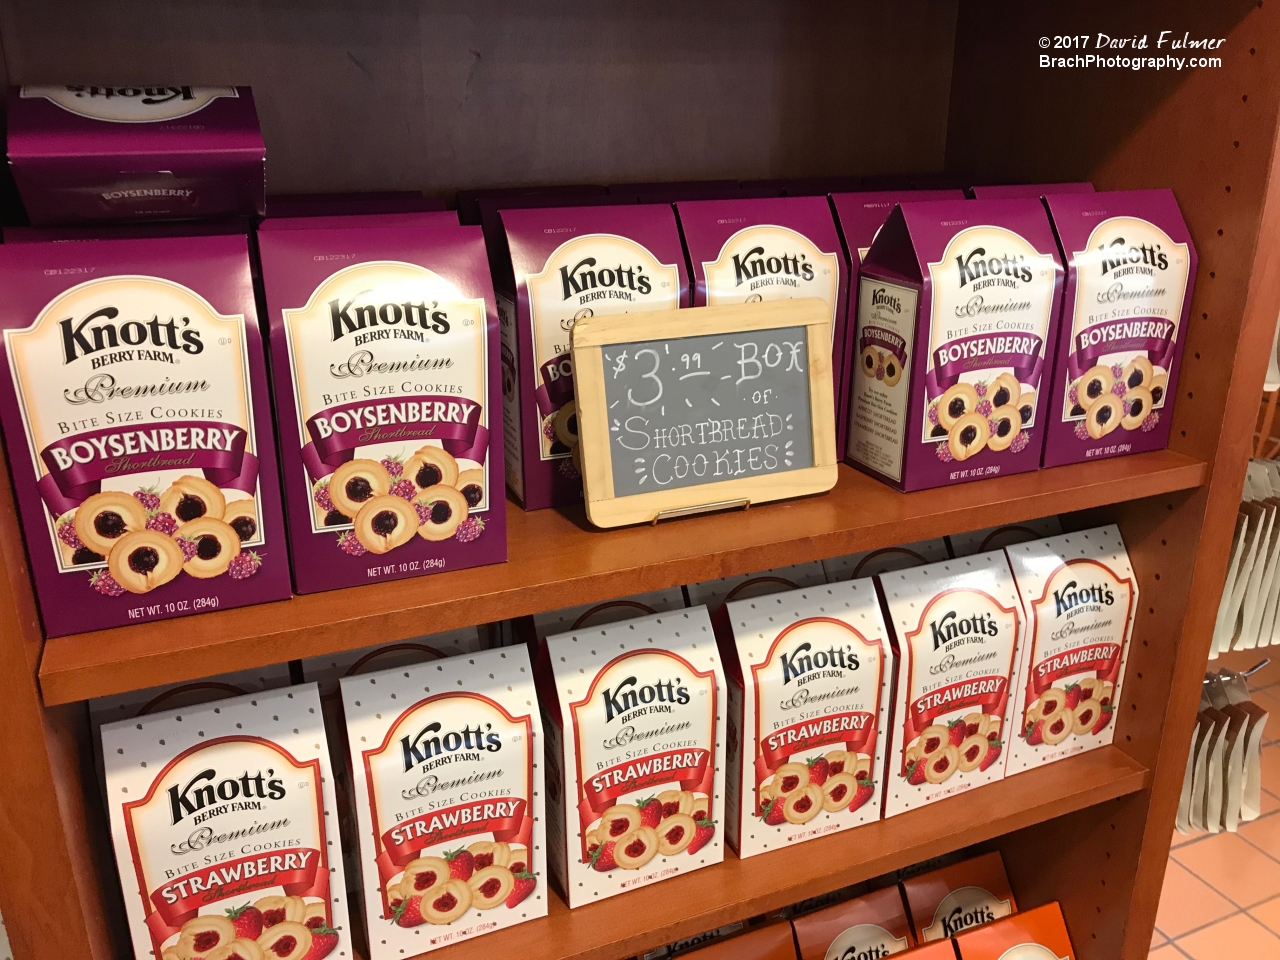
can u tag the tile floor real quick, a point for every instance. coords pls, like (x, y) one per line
(1221, 898)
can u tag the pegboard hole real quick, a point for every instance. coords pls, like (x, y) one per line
(1237, 143)
(1219, 233)
(1157, 576)
(1245, 98)
(1213, 273)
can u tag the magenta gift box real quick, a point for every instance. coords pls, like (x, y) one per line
(138, 429)
(771, 248)
(81, 154)
(556, 266)
(384, 350)
(958, 304)
(1131, 271)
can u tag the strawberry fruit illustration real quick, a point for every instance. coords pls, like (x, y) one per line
(1075, 693)
(602, 858)
(819, 770)
(409, 913)
(461, 863)
(1104, 717)
(865, 789)
(650, 811)
(702, 835)
(955, 732)
(247, 920)
(1035, 733)
(773, 813)
(993, 754)
(525, 882)
(323, 939)
(915, 772)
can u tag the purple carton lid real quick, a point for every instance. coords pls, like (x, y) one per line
(1019, 191)
(567, 263)
(426, 218)
(860, 215)
(359, 319)
(936, 278)
(137, 402)
(1131, 248)
(343, 204)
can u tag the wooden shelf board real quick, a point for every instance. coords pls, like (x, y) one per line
(557, 560)
(630, 924)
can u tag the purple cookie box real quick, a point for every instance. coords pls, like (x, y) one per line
(530, 236)
(343, 204)
(294, 264)
(708, 224)
(915, 235)
(1034, 191)
(64, 163)
(1074, 218)
(217, 268)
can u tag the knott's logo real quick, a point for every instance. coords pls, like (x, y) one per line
(1119, 253)
(428, 742)
(88, 336)
(151, 96)
(976, 265)
(965, 908)
(629, 694)
(754, 263)
(205, 790)
(1071, 596)
(951, 626)
(129, 104)
(802, 660)
(350, 317)
(865, 941)
(583, 276)
(881, 298)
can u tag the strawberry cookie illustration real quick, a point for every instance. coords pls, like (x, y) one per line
(804, 770)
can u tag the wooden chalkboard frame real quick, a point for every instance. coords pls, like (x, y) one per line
(590, 334)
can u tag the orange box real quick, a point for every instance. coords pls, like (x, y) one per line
(873, 925)
(938, 950)
(945, 902)
(1039, 934)
(772, 942)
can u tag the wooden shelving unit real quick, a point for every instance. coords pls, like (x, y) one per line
(395, 96)
(556, 560)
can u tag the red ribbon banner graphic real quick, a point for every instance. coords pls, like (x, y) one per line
(853, 729)
(1100, 658)
(986, 692)
(403, 842)
(300, 871)
(690, 768)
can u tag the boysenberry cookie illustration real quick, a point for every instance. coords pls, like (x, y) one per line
(635, 848)
(1004, 390)
(490, 886)
(143, 560)
(870, 361)
(956, 401)
(470, 484)
(1005, 422)
(190, 498)
(1093, 386)
(968, 435)
(242, 516)
(430, 466)
(1159, 383)
(1138, 373)
(1139, 402)
(1026, 406)
(216, 545)
(356, 482)
(441, 509)
(106, 517)
(566, 421)
(1104, 416)
(892, 370)
(385, 522)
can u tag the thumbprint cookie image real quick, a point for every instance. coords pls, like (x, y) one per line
(838, 781)
(269, 928)
(1082, 709)
(971, 743)
(629, 835)
(1117, 397)
(145, 539)
(972, 417)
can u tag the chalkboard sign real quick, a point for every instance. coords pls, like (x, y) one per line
(715, 406)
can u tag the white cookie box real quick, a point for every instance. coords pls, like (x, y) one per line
(634, 710)
(327, 670)
(869, 563)
(997, 538)
(447, 757)
(712, 593)
(810, 681)
(957, 627)
(1080, 598)
(218, 806)
(609, 611)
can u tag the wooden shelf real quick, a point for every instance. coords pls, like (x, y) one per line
(557, 560)
(629, 925)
